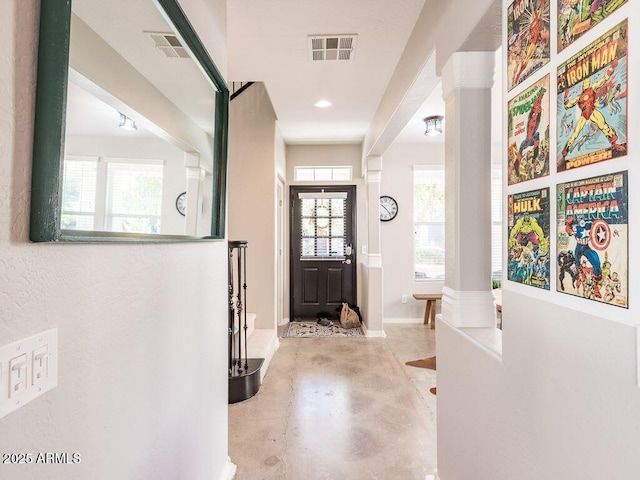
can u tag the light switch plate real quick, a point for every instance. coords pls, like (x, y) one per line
(28, 369)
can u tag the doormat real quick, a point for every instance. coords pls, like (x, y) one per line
(311, 329)
(429, 363)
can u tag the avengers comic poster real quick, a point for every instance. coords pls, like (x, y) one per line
(576, 17)
(529, 223)
(593, 238)
(592, 102)
(528, 47)
(528, 133)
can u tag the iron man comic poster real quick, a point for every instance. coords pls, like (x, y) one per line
(528, 47)
(528, 242)
(577, 17)
(593, 240)
(592, 102)
(528, 133)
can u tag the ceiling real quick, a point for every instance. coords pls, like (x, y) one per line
(268, 42)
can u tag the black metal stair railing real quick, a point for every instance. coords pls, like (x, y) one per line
(238, 87)
(244, 372)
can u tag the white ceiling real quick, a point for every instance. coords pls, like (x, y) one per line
(268, 42)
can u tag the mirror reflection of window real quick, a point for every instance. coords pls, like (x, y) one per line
(139, 126)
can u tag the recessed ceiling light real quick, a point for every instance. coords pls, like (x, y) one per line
(323, 104)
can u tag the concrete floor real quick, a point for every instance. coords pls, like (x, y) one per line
(342, 409)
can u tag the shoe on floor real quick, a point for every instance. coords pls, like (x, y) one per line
(325, 322)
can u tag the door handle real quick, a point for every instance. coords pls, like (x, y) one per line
(347, 261)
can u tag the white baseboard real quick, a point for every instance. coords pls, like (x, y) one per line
(229, 471)
(373, 333)
(283, 321)
(403, 320)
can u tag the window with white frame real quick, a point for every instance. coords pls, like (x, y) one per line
(428, 223)
(79, 193)
(113, 195)
(496, 223)
(134, 197)
(323, 174)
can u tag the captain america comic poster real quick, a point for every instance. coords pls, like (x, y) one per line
(528, 48)
(528, 133)
(593, 238)
(592, 102)
(529, 238)
(577, 17)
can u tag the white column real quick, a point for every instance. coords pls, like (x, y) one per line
(373, 318)
(192, 177)
(467, 300)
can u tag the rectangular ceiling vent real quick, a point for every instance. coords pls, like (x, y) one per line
(332, 47)
(169, 44)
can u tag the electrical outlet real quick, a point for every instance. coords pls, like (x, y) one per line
(405, 298)
(28, 369)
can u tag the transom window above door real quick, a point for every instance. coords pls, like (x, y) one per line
(323, 174)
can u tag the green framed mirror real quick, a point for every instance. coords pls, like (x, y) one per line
(131, 126)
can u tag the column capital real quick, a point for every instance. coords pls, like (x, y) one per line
(374, 176)
(467, 70)
(191, 159)
(374, 163)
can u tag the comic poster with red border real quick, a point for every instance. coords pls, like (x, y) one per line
(528, 243)
(528, 133)
(528, 47)
(593, 239)
(577, 17)
(592, 102)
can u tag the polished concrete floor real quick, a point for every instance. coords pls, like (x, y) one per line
(342, 409)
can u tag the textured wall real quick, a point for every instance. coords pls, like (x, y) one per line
(142, 328)
(397, 235)
(252, 196)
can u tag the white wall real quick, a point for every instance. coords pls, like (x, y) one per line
(335, 155)
(561, 402)
(142, 390)
(397, 235)
(252, 196)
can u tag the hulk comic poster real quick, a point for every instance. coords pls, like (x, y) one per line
(528, 244)
(528, 133)
(593, 238)
(576, 17)
(592, 102)
(528, 47)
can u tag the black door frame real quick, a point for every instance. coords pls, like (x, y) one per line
(352, 191)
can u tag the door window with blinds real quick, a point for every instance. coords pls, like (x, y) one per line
(323, 225)
(112, 195)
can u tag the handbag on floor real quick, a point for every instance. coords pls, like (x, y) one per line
(348, 317)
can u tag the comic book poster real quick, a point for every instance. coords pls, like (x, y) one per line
(528, 47)
(528, 133)
(529, 226)
(593, 238)
(576, 17)
(592, 102)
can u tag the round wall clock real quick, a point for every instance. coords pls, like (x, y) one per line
(388, 208)
(181, 203)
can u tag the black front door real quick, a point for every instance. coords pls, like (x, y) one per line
(323, 254)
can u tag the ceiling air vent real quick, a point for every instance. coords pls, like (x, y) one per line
(168, 44)
(332, 47)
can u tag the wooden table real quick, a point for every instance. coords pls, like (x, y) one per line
(430, 309)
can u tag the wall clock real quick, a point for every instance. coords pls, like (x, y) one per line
(388, 208)
(181, 203)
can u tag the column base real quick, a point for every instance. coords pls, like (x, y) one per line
(468, 308)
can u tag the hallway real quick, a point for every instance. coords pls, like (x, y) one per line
(340, 409)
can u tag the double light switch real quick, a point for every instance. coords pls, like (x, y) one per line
(28, 368)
